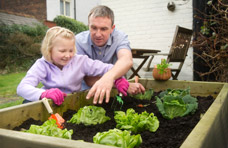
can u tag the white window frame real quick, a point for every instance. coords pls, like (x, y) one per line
(64, 7)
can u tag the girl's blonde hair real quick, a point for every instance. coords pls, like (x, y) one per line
(51, 34)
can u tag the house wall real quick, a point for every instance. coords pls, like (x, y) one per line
(150, 25)
(79, 9)
(53, 9)
(36, 8)
(83, 8)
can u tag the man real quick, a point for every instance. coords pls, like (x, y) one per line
(105, 43)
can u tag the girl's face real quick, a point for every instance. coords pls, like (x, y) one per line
(62, 51)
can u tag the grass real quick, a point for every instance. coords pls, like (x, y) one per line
(8, 84)
(12, 103)
(8, 87)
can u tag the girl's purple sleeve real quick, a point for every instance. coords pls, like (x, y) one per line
(27, 87)
(96, 67)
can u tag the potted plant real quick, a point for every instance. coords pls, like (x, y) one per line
(162, 71)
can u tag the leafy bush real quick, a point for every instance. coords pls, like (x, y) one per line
(38, 30)
(210, 42)
(71, 24)
(20, 46)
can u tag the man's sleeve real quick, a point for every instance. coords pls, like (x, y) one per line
(123, 42)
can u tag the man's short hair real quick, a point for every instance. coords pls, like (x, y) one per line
(102, 11)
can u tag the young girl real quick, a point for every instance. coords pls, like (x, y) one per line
(60, 70)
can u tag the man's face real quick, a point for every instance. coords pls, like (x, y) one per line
(100, 30)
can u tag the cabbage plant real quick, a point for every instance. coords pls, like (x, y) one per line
(176, 103)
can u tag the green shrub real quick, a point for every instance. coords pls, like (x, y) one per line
(20, 46)
(71, 24)
(29, 30)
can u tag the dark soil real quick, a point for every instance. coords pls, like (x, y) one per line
(171, 133)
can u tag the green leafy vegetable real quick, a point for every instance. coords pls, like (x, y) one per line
(116, 137)
(175, 92)
(176, 103)
(90, 115)
(161, 67)
(49, 128)
(136, 122)
(146, 96)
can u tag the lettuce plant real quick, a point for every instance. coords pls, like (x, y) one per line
(49, 128)
(135, 122)
(118, 138)
(90, 115)
(146, 96)
(176, 103)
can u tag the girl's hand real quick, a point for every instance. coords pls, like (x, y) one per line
(122, 85)
(55, 94)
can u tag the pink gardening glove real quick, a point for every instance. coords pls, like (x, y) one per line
(122, 85)
(55, 94)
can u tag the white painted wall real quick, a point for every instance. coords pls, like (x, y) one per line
(82, 9)
(53, 9)
(150, 25)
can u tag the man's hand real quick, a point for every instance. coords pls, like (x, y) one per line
(135, 88)
(101, 89)
(103, 86)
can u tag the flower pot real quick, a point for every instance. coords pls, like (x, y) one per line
(165, 76)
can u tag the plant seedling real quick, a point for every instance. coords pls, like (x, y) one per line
(118, 101)
(161, 67)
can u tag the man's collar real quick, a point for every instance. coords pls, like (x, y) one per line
(109, 41)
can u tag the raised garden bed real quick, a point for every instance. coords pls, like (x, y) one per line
(171, 133)
(202, 135)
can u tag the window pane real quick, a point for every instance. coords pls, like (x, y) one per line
(67, 9)
(61, 7)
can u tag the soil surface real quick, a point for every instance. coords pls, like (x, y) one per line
(171, 133)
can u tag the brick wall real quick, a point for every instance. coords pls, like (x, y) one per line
(36, 8)
(150, 25)
(49, 24)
